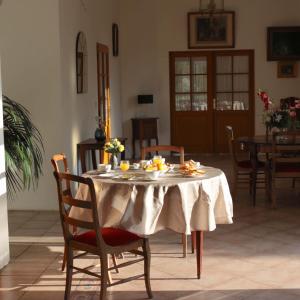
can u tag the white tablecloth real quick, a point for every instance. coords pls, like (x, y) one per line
(172, 202)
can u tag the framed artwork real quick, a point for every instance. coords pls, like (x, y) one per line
(211, 30)
(115, 39)
(287, 69)
(283, 43)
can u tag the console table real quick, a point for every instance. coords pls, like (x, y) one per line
(143, 129)
(93, 145)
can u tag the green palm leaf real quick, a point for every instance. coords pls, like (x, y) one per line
(23, 148)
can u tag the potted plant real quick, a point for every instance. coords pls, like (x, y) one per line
(23, 148)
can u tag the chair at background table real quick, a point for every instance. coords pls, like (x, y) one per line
(93, 147)
(171, 149)
(163, 148)
(285, 160)
(95, 239)
(243, 173)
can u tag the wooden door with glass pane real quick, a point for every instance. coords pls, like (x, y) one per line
(233, 95)
(191, 108)
(209, 90)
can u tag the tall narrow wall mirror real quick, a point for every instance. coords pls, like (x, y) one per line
(81, 63)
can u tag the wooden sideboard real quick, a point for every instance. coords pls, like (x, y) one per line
(143, 129)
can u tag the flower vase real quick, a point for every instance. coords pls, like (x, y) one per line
(114, 161)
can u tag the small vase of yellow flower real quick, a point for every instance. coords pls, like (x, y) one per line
(114, 147)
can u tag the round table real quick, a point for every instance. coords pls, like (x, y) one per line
(182, 204)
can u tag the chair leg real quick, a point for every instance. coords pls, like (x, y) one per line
(147, 261)
(114, 259)
(104, 277)
(109, 279)
(193, 241)
(64, 260)
(273, 194)
(69, 258)
(234, 185)
(184, 244)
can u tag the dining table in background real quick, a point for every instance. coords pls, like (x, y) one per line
(257, 144)
(144, 207)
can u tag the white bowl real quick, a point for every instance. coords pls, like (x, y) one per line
(153, 175)
(104, 167)
(136, 166)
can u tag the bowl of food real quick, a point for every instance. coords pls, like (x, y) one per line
(153, 175)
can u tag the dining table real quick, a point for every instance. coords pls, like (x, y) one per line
(259, 144)
(185, 204)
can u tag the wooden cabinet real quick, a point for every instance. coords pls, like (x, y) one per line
(209, 90)
(143, 129)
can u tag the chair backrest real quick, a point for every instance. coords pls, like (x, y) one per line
(286, 103)
(57, 160)
(90, 205)
(286, 152)
(84, 153)
(231, 144)
(164, 148)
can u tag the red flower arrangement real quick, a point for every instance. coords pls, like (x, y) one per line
(265, 99)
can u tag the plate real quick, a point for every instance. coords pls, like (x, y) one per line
(106, 175)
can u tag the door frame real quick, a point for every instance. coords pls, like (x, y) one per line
(103, 75)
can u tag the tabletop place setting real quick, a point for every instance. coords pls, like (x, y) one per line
(154, 169)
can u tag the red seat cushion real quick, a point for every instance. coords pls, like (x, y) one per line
(111, 236)
(287, 167)
(248, 165)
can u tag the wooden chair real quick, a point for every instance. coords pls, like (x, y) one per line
(56, 160)
(95, 239)
(243, 176)
(168, 148)
(163, 148)
(285, 160)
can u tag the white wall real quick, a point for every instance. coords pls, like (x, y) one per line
(4, 245)
(95, 19)
(37, 46)
(150, 29)
(29, 47)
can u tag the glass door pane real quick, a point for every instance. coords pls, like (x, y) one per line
(241, 83)
(199, 102)
(241, 64)
(183, 102)
(200, 83)
(223, 101)
(182, 65)
(224, 64)
(199, 65)
(182, 84)
(240, 101)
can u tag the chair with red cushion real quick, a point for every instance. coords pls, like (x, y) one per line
(243, 172)
(95, 239)
(285, 160)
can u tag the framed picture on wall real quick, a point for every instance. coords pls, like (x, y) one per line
(206, 30)
(287, 69)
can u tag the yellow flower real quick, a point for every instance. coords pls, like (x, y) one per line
(121, 148)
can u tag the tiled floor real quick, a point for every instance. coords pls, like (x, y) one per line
(258, 257)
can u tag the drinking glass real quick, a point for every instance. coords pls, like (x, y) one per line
(157, 159)
(124, 165)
